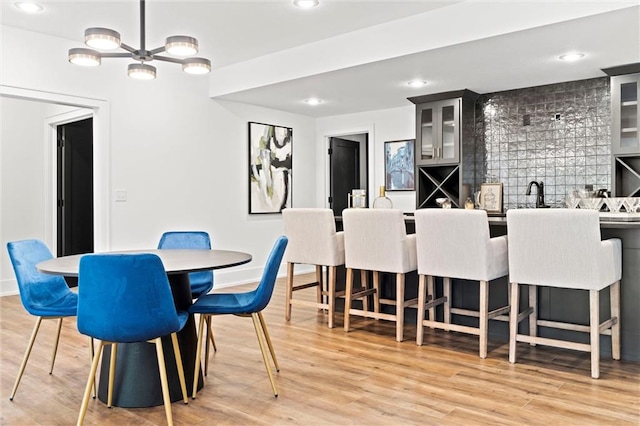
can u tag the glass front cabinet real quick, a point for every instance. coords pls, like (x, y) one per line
(625, 114)
(438, 125)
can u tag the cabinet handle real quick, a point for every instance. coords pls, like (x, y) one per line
(434, 152)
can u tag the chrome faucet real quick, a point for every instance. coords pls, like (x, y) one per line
(540, 193)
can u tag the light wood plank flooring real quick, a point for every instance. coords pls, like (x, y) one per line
(331, 377)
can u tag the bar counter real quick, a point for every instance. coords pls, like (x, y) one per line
(555, 304)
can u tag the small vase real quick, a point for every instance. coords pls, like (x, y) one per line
(382, 202)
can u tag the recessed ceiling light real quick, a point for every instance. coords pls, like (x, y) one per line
(570, 57)
(29, 7)
(417, 83)
(313, 101)
(306, 4)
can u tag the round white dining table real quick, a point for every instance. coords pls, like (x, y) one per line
(137, 381)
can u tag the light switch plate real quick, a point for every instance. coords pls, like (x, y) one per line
(121, 195)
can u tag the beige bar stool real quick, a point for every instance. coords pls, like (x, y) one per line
(313, 240)
(455, 243)
(562, 248)
(376, 240)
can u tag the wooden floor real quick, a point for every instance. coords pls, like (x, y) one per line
(331, 377)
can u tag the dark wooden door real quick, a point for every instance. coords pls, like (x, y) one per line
(344, 172)
(75, 187)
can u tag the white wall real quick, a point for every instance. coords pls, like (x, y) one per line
(382, 125)
(181, 157)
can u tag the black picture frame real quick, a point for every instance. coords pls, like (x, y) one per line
(399, 165)
(270, 163)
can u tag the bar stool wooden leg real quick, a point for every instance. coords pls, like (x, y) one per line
(614, 296)
(533, 318)
(431, 290)
(289, 291)
(365, 284)
(594, 331)
(320, 285)
(484, 318)
(421, 302)
(331, 271)
(446, 286)
(376, 295)
(513, 322)
(399, 307)
(347, 298)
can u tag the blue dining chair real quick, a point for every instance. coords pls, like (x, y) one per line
(201, 282)
(126, 298)
(42, 295)
(249, 303)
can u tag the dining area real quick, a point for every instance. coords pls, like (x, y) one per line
(139, 306)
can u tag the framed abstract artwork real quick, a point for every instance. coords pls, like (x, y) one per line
(270, 161)
(399, 165)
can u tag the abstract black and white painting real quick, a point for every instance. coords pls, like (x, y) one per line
(399, 165)
(270, 161)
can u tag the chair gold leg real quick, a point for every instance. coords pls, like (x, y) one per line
(178, 356)
(196, 369)
(207, 345)
(32, 339)
(92, 354)
(211, 339)
(256, 325)
(55, 345)
(112, 372)
(163, 380)
(268, 338)
(289, 292)
(90, 383)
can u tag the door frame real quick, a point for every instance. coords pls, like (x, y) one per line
(101, 160)
(51, 127)
(370, 153)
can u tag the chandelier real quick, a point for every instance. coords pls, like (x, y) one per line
(106, 39)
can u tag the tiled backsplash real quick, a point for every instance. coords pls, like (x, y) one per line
(558, 134)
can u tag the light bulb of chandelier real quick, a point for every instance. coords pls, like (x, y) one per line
(102, 38)
(84, 57)
(181, 45)
(196, 65)
(306, 4)
(141, 71)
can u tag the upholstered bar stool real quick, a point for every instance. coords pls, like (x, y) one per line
(455, 243)
(562, 248)
(376, 240)
(313, 240)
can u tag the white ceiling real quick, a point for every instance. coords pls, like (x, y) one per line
(246, 38)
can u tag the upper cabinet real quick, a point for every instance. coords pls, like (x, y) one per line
(625, 114)
(438, 139)
(438, 126)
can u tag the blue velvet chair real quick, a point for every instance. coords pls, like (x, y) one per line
(126, 298)
(201, 282)
(249, 303)
(42, 295)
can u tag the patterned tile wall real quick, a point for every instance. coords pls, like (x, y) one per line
(558, 134)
